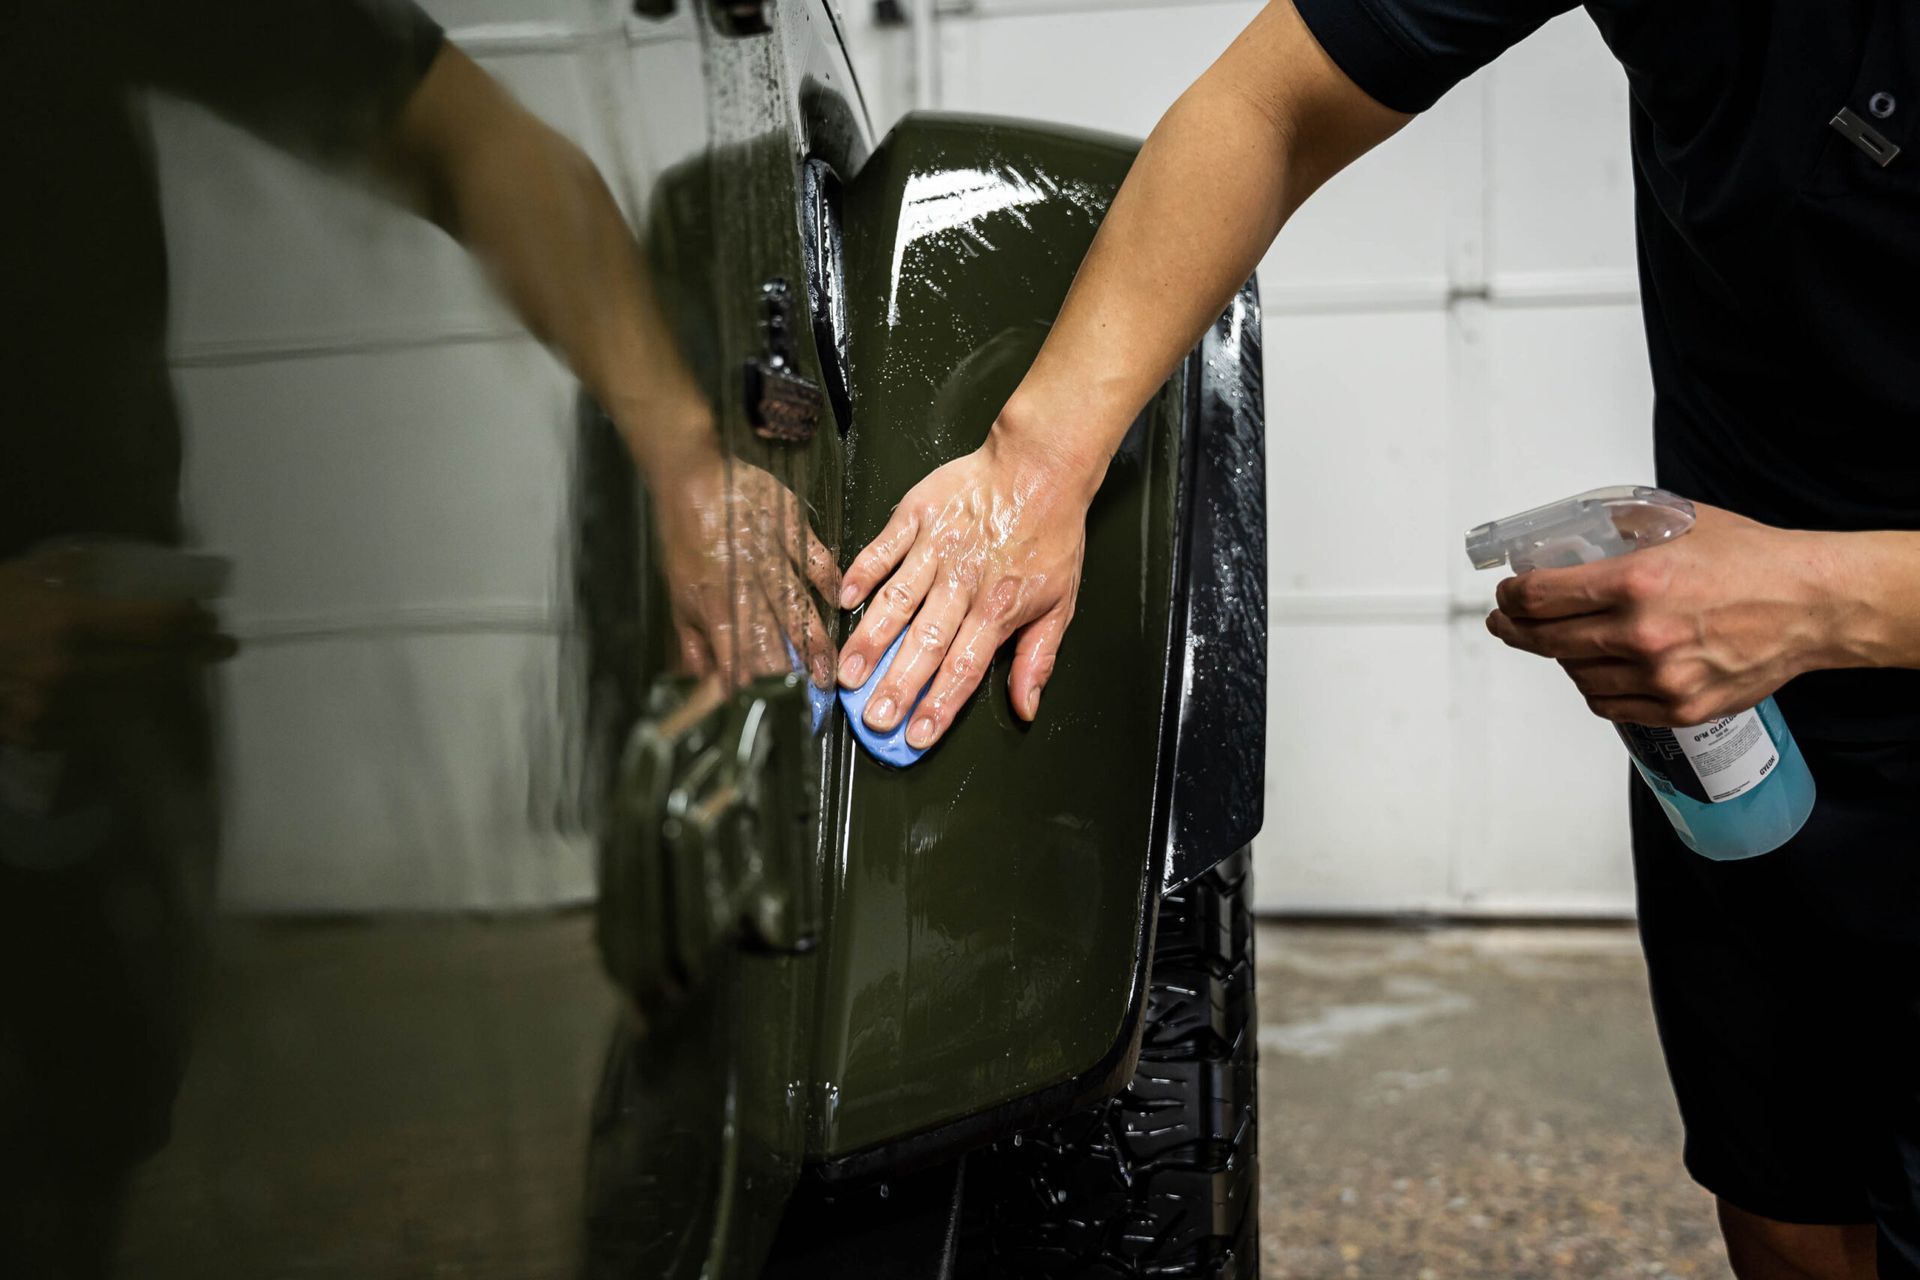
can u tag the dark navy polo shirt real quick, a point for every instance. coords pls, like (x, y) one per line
(1778, 254)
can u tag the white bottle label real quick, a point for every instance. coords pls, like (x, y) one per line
(1724, 758)
(1731, 755)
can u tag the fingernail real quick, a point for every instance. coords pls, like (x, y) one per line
(1033, 704)
(921, 734)
(823, 672)
(849, 595)
(880, 714)
(851, 668)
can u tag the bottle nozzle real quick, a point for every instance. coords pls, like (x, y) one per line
(1588, 526)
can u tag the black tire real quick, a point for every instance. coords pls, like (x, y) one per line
(1163, 1179)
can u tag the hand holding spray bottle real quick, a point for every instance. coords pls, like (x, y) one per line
(1735, 787)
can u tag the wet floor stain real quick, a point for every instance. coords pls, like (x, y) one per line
(1329, 1031)
(1468, 1104)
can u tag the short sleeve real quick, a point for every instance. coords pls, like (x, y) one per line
(1405, 54)
(321, 78)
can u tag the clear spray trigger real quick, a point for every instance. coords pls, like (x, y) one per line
(1596, 525)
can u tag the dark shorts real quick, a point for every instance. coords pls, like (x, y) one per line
(1787, 991)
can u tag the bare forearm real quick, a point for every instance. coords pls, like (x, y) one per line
(989, 548)
(1200, 206)
(1229, 163)
(535, 212)
(1871, 586)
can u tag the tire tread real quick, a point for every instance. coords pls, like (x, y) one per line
(1162, 1179)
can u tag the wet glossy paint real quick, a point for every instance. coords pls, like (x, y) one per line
(1219, 762)
(986, 908)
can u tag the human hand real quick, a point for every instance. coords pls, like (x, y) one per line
(738, 552)
(63, 652)
(1701, 627)
(987, 547)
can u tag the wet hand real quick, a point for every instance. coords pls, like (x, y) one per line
(1704, 626)
(738, 554)
(987, 548)
(64, 654)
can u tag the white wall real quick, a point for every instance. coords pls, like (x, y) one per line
(1452, 333)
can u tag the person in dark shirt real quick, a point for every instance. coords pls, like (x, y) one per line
(97, 954)
(1779, 233)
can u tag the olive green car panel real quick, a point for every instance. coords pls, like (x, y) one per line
(984, 917)
(988, 908)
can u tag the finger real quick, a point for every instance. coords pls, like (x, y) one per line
(1571, 638)
(763, 635)
(794, 533)
(966, 665)
(695, 660)
(724, 642)
(818, 563)
(891, 608)
(880, 557)
(1033, 658)
(805, 640)
(1561, 593)
(1611, 678)
(920, 655)
(1630, 710)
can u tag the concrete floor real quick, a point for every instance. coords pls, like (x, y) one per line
(409, 1099)
(1468, 1103)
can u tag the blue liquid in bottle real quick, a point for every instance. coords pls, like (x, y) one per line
(1736, 787)
(1762, 817)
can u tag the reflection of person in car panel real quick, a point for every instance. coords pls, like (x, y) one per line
(1779, 238)
(95, 953)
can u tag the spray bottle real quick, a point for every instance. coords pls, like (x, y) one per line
(1735, 787)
